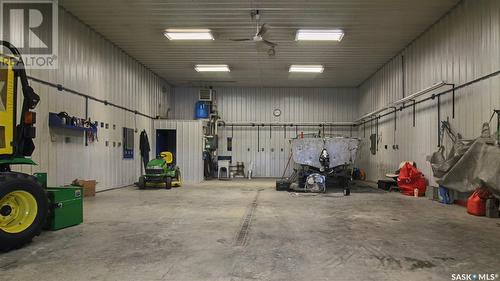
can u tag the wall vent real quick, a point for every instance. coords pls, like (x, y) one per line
(205, 94)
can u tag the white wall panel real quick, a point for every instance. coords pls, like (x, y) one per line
(189, 134)
(462, 46)
(269, 150)
(90, 64)
(257, 104)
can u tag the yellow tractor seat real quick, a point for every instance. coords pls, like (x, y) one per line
(167, 156)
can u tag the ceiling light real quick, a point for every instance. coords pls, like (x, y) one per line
(306, 68)
(188, 34)
(212, 68)
(319, 35)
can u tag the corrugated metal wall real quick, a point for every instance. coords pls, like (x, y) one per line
(90, 64)
(269, 149)
(189, 146)
(462, 46)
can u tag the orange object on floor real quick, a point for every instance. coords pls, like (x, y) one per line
(476, 204)
(409, 179)
(362, 175)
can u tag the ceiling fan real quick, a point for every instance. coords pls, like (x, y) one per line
(260, 33)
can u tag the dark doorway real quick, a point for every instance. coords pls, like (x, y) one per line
(166, 140)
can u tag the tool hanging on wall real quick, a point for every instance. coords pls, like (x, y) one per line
(91, 135)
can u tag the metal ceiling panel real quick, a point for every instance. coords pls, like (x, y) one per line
(375, 31)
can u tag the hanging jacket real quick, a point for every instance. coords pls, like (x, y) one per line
(144, 143)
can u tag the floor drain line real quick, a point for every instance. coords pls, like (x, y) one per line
(241, 239)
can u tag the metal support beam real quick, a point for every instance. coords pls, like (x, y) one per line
(369, 117)
(258, 139)
(61, 88)
(439, 119)
(498, 126)
(395, 118)
(86, 118)
(291, 124)
(413, 113)
(403, 75)
(453, 102)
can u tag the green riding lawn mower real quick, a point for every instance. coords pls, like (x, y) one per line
(161, 172)
(24, 204)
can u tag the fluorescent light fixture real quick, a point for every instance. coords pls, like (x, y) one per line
(188, 34)
(319, 35)
(212, 68)
(306, 68)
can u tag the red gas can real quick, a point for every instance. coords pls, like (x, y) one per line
(476, 204)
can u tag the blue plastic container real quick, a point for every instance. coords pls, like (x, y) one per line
(202, 110)
(444, 195)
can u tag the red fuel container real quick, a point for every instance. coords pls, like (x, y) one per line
(476, 204)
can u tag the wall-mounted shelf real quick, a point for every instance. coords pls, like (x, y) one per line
(56, 122)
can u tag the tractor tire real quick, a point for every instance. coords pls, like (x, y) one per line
(23, 209)
(347, 192)
(142, 182)
(179, 177)
(168, 183)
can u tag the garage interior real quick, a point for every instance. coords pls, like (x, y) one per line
(250, 140)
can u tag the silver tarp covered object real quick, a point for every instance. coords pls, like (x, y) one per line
(341, 150)
(469, 164)
(479, 165)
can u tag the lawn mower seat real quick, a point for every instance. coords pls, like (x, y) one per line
(167, 156)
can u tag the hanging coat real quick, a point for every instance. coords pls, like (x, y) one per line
(144, 147)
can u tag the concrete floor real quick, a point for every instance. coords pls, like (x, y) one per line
(245, 230)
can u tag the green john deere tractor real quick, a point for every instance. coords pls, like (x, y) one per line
(23, 201)
(161, 172)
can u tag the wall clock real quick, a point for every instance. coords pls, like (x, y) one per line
(277, 112)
